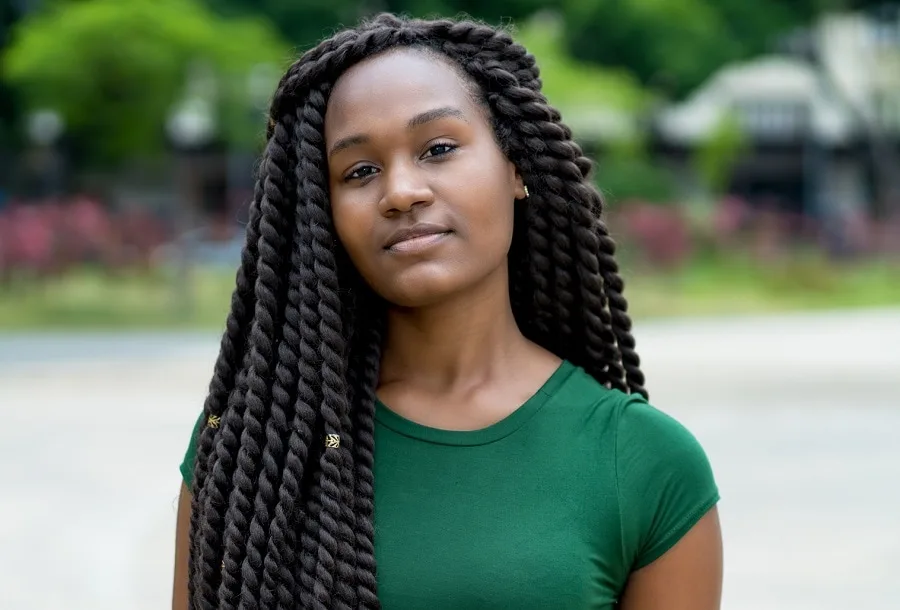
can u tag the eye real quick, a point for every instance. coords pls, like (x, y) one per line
(440, 149)
(361, 173)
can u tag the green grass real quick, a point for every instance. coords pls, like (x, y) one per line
(96, 300)
(744, 287)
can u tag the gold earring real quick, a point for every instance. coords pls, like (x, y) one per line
(526, 192)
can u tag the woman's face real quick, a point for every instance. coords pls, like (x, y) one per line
(422, 196)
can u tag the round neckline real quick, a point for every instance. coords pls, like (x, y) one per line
(482, 436)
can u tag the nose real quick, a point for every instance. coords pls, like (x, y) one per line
(405, 187)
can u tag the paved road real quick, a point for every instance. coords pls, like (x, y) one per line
(800, 416)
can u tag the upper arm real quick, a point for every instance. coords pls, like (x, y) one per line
(687, 577)
(182, 550)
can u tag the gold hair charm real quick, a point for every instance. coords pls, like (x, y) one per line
(213, 421)
(332, 441)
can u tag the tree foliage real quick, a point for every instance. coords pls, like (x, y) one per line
(9, 14)
(570, 83)
(671, 45)
(114, 70)
(674, 45)
(305, 22)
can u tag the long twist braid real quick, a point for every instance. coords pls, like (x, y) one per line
(215, 494)
(282, 543)
(296, 352)
(245, 544)
(363, 376)
(217, 448)
(271, 528)
(309, 386)
(336, 531)
(203, 535)
(540, 267)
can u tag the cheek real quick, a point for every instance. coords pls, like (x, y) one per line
(352, 228)
(498, 230)
(490, 213)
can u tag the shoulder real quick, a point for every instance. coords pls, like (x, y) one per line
(583, 396)
(656, 468)
(646, 432)
(639, 426)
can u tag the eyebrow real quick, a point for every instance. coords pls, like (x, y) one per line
(417, 121)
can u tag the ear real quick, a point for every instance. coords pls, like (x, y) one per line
(518, 183)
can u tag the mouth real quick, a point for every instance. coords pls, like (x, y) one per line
(415, 238)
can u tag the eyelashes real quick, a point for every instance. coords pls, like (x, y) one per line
(449, 148)
(360, 173)
(438, 150)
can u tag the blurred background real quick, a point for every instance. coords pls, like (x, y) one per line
(749, 153)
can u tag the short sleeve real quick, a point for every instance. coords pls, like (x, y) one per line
(190, 455)
(665, 481)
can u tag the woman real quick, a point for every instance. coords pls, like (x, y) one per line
(427, 395)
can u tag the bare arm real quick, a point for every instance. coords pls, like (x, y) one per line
(687, 577)
(182, 549)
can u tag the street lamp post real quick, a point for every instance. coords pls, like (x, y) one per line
(191, 129)
(45, 127)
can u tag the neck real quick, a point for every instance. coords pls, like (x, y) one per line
(453, 343)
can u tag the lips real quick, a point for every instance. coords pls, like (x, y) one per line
(416, 231)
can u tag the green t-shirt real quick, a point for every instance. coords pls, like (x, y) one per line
(552, 507)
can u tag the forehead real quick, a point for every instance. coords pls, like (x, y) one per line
(393, 87)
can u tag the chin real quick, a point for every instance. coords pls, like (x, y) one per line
(427, 283)
(416, 297)
(417, 288)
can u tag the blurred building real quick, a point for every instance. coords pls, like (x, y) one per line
(821, 119)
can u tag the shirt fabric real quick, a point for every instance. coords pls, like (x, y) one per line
(552, 507)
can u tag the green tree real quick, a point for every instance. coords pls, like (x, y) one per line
(671, 45)
(674, 45)
(717, 155)
(301, 22)
(9, 14)
(305, 22)
(577, 87)
(114, 70)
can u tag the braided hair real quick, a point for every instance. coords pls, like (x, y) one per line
(277, 519)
